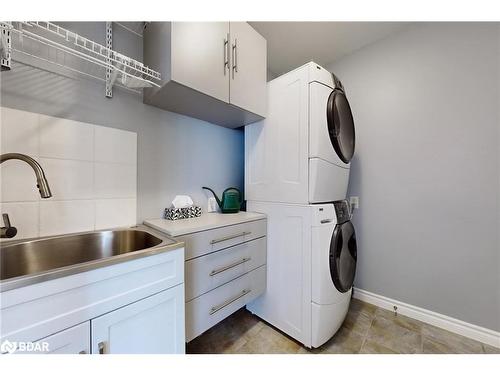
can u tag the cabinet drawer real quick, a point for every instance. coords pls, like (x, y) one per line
(210, 308)
(210, 271)
(208, 241)
(74, 340)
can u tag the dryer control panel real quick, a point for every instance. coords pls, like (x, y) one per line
(342, 210)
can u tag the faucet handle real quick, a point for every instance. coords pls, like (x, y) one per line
(8, 231)
(6, 220)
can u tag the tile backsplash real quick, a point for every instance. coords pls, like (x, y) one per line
(91, 170)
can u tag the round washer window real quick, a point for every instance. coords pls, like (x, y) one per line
(343, 256)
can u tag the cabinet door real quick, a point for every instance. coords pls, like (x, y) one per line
(248, 68)
(199, 54)
(74, 340)
(154, 325)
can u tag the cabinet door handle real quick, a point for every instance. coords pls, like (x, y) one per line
(101, 347)
(235, 57)
(229, 266)
(213, 242)
(214, 309)
(82, 352)
(226, 53)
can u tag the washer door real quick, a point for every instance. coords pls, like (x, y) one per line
(340, 125)
(343, 256)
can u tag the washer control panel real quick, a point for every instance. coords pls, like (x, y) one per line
(323, 214)
(342, 210)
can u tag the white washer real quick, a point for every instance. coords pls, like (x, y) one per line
(311, 262)
(334, 257)
(301, 152)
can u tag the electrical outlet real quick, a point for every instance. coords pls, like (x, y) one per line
(354, 202)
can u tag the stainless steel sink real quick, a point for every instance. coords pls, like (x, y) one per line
(47, 258)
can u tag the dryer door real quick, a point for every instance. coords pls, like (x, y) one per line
(343, 256)
(340, 125)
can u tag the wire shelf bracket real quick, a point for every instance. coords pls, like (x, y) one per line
(109, 71)
(6, 46)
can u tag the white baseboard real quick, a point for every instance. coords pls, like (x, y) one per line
(448, 323)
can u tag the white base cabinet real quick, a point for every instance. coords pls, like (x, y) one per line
(225, 264)
(225, 269)
(131, 307)
(153, 325)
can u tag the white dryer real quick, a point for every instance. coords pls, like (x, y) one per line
(311, 263)
(301, 152)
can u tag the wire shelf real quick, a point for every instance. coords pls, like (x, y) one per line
(51, 44)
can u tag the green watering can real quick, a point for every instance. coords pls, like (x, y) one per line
(231, 200)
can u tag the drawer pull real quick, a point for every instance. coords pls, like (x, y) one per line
(229, 266)
(213, 242)
(214, 309)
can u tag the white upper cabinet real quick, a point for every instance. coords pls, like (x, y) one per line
(248, 68)
(214, 71)
(200, 55)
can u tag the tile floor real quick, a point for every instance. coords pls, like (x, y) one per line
(366, 329)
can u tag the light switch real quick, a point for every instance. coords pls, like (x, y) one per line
(211, 205)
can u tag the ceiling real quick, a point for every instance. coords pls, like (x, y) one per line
(291, 44)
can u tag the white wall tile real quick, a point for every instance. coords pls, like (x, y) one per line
(66, 139)
(112, 213)
(59, 217)
(23, 216)
(69, 179)
(18, 182)
(115, 180)
(19, 132)
(86, 193)
(114, 145)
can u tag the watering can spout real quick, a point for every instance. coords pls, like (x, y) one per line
(215, 196)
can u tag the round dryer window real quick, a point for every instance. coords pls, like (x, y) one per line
(343, 256)
(340, 125)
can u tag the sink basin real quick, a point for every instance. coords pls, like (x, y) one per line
(42, 255)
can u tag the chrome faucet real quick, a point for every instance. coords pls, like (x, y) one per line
(41, 182)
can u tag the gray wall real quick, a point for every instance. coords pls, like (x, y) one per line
(176, 154)
(426, 105)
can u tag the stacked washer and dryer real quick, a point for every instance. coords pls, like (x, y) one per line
(297, 172)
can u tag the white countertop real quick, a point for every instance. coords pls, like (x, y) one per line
(204, 222)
